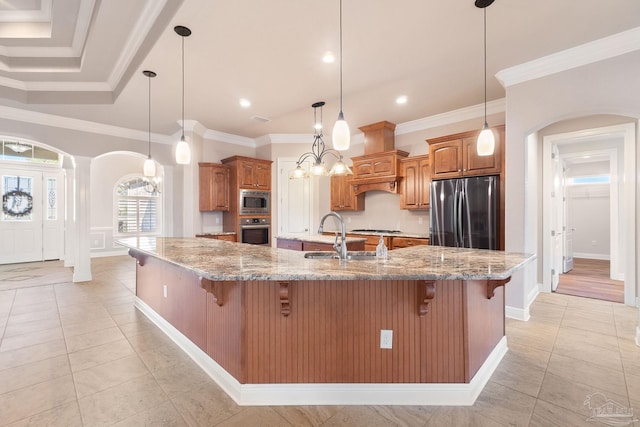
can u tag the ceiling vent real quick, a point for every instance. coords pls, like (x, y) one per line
(260, 119)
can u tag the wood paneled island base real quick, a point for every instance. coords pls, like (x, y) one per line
(317, 342)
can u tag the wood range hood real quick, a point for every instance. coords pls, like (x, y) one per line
(379, 167)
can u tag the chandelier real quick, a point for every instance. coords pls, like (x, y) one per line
(318, 153)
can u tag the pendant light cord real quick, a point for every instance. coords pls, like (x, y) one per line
(183, 88)
(149, 127)
(485, 66)
(340, 57)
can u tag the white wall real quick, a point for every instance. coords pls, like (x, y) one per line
(588, 211)
(606, 87)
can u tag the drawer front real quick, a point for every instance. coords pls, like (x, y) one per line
(315, 246)
(406, 242)
(295, 245)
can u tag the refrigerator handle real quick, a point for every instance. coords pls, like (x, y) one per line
(460, 235)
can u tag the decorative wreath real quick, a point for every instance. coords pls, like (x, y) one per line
(17, 203)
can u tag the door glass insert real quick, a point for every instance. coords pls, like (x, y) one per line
(52, 199)
(17, 198)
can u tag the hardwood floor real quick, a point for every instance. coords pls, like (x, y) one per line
(590, 278)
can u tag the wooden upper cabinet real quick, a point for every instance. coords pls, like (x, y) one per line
(416, 182)
(342, 195)
(455, 156)
(376, 165)
(213, 187)
(254, 174)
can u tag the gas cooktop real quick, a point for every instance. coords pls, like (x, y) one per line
(375, 231)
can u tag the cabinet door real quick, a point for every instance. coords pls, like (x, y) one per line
(213, 185)
(409, 197)
(246, 172)
(342, 196)
(262, 176)
(425, 183)
(446, 159)
(481, 165)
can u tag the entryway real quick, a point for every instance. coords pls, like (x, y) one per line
(590, 278)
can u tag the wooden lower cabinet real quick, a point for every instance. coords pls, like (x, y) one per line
(303, 245)
(372, 241)
(225, 237)
(407, 242)
(328, 331)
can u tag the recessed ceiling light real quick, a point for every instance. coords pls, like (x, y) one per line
(328, 58)
(401, 99)
(245, 103)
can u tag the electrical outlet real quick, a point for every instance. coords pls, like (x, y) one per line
(386, 338)
(419, 220)
(164, 290)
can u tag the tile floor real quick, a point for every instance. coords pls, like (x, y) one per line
(81, 355)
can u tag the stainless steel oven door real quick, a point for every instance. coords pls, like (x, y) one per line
(255, 231)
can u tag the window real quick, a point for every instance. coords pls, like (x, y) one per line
(137, 207)
(22, 151)
(587, 180)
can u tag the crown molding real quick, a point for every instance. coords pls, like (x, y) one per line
(150, 13)
(43, 14)
(467, 113)
(229, 138)
(588, 53)
(43, 119)
(285, 138)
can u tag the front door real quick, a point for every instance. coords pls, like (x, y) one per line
(31, 219)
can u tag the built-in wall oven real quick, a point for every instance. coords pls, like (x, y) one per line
(254, 202)
(256, 231)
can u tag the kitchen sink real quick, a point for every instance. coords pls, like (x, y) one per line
(354, 256)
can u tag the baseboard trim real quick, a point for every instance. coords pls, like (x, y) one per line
(517, 313)
(586, 255)
(332, 394)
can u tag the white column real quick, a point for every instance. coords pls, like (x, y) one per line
(69, 223)
(82, 264)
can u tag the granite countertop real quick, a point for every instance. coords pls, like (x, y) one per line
(321, 238)
(221, 260)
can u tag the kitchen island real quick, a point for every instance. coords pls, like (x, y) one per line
(274, 328)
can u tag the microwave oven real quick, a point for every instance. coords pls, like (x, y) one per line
(254, 202)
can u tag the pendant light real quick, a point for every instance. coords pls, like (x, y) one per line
(318, 153)
(341, 136)
(149, 167)
(183, 152)
(486, 140)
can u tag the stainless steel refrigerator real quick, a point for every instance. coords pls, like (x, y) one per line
(464, 212)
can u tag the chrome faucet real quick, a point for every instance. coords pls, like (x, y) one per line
(340, 248)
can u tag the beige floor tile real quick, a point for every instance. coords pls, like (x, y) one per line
(33, 373)
(150, 341)
(571, 395)
(307, 416)
(358, 416)
(92, 339)
(180, 377)
(22, 356)
(589, 324)
(121, 402)
(32, 316)
(206, 405)
(138, 327)
(491, 404)
(29, 339)
(101, 377)
(553, 298)
(129, 317)
(35, 399)
(255, 416)
(13, 329)
(460, 416)
(548, 415)
(74, 329)
(48, 305)
(100, 354)
(164, 415)
(67, 415)
(517, 372)
(591, 347)
(596, 376)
